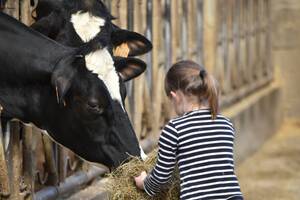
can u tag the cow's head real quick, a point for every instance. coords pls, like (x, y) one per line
(95, 124)
(76, 22)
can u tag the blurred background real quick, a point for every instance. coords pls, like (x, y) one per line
(252, 47)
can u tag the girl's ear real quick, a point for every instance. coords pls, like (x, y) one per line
(173, 94)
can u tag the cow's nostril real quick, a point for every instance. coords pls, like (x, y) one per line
(92, 104)
(95, 107)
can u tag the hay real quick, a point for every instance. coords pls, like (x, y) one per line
(121, 184)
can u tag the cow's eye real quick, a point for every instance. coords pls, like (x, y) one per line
(95, 107)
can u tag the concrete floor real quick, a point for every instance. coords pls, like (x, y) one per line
(274, 171)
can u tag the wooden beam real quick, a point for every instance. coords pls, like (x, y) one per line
(139, 18)
(210, 33)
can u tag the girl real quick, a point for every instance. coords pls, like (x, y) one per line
(200, 140)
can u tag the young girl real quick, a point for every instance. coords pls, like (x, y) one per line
(200, 140)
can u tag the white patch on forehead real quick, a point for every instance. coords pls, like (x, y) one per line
(100, 62)
(86, 25)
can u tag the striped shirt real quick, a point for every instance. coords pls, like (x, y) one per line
(203, 150)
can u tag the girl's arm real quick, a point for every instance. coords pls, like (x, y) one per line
(166, 161)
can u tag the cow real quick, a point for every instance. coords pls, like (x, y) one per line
(52, 86)
(76, 22)
(88, 22)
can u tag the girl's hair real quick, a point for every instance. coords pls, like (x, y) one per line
(194, 81)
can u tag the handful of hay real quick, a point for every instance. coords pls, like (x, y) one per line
(121, 185)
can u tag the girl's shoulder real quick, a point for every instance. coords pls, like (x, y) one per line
(192, 114)
(196, 116)
(175, 120)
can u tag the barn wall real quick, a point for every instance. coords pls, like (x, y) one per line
(251, 88)
(286, 51)
(231, 38)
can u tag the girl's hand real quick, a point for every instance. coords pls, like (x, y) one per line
(139, 180)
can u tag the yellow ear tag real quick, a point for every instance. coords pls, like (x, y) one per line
(122, 50)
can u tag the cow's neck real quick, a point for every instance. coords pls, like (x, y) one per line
(25, 54)
(29, 103)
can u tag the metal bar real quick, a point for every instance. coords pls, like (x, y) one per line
(199, 31)
(168, 34)
(130, 11)
(184, 36)
(71, 184)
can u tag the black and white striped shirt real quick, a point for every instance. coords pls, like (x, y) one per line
(203, 149)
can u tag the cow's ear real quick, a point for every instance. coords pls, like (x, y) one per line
(129, 68)
(63, 75)
(49, 25)
(137, 43)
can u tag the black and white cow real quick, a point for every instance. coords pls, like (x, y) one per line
(59, 89)
(88, 23)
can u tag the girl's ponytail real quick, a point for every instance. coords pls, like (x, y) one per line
(211, 92)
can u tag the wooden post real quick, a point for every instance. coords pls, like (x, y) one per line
(62, 163)
(123, 14)
(139, 15)
(50, 160)
(29, 160)
(25, 12)
(191, 25)
(156, 69)
(12, 8)
(16, 160)
(4, 177)
(210, 33)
